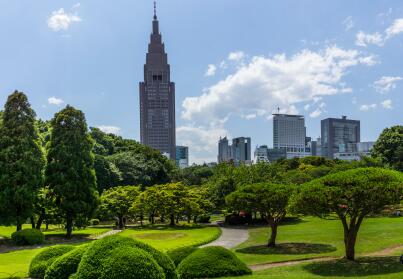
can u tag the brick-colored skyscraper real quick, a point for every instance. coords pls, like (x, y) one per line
(157, 98)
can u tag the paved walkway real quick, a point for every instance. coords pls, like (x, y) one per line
(230, 237)
(112, 232)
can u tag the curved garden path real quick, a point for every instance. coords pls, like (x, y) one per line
(230, 237)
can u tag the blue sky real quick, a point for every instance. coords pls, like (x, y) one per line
(234, 62)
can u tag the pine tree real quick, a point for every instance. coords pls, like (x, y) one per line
(21, 161)
(70, 170)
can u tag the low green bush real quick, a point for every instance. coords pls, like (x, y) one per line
(205, 218)
(177, 255)
(100, 250)
(130, 263)
(66, 264)
(211, 262)
(28, 237)
(94, 222)
(44, 259)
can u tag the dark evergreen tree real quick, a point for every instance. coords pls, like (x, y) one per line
(70, 170)
(21, 161)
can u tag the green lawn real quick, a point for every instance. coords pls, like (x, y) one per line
(314, 237)
(166, 238)
(366, 268)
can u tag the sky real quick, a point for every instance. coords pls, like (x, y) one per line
(234, 62)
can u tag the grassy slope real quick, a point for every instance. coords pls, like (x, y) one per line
(375, 234)
(166, 238)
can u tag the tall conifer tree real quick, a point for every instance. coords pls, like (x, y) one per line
(70, 170)
(21, 161)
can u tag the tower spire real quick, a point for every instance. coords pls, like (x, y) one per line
(155, 10)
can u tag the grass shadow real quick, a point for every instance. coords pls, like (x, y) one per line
(366, 266)
(291, 221)
(289, 249)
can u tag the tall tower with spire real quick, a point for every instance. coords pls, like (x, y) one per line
(157, 97)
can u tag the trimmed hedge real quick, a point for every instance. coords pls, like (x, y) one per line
(44, 259)
(177, 255)
(100, 250)
(28, 237)
(211, 262)
(131, 263)
(66, 264)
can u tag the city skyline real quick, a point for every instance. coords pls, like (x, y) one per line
(90, 55)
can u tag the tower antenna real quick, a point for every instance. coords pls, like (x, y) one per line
(155, 9)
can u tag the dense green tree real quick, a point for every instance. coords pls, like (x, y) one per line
(351, 195)
(116, 202)
(389, 147)
(108, 175)
(270, 200)
(70, 170)
(21, 161)
(194, 175)
(150, 203)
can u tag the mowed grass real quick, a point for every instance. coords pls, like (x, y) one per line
(364, 268)
(313, 237)
(7, 231)
(166, 238)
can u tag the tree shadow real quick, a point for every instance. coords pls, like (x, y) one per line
(365, 266)
(291, 221)
(289, 249)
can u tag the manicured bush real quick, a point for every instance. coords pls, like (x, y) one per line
(94, 222)
(177, 255)
(44, 259)
(211, 262)
(130, 263)
(28, 237)
(89, 267)
(66, 264)
(203, 218)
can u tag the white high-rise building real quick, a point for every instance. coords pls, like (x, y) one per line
(289, 133)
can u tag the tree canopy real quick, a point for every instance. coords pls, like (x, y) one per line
(21, 161)
(70, 170)
(389, 147)
(351, 195)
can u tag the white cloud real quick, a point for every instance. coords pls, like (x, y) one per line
(364, 39)
(55, 101)
(60, 20)
(318, 111)
(110, 129)
(265, 83)
(202, 141)
(348, 23)
(211, 70)
(368, 107)
(395, 29)
(387, 104)
(386, 84)
(236, 56)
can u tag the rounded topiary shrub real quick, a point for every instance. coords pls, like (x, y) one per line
(99, 251)
(28, 237)
(44, 259)
(177, 255)
(66, 265)
(211, 262)
(130, 263)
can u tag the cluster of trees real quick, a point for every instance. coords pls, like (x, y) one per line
(53, 171)
(172, 201)
(348, 195)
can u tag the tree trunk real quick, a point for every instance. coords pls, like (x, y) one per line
(172, 220)
(273, 235)
(350, 235)
(32, 222)
(47, 226)
(195, 219)
(19, 227)
(39, 222)
(69, 225)
(120, 224)
(152, 219)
